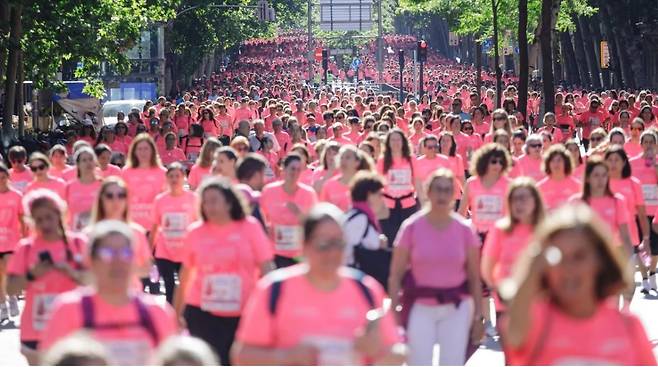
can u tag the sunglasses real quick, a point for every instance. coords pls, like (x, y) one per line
(119, 195)
(636, 129)
(534, 145)
(40, 167)
(596, 138)
(496, 161)
(242, 149)
(326, 246)
(500, 118)
(467, 128)
(108, 254)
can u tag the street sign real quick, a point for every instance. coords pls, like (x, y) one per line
(605, 55)
(355, 63)
(346, 15)
(342, 51)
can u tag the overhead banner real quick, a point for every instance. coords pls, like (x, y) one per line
(346, 15)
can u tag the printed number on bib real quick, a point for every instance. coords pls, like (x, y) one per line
(41, 310)
(332, 351)
(174, 225)
(399, 179)
(221, 293)
(650, 193)
(131, 352)
(287, 238)
(489, 207)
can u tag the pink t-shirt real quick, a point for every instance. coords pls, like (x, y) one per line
(399, 182)
(527, 166)
(424, 167)
(144, 184)
(80, 199)
(130, 343)
(612, 210)
(327, 320)
(609, 337)
(555, 193)
(171, 156)
(286, 230)
(11, 209)
(20, 180)
(487, 204)
(56, 172)
(504, 248)
(40, 293)
(437, 257)
(645, 172)
(111, 170)
(173, 215)
(337, 193)
(197, 174)
(631, 189)
(226, 264)
(632, 149)
(54, 184)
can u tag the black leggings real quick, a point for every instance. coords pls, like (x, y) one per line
(168, 269)
(217, 331)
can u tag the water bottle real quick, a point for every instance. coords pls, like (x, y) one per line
(154, 275)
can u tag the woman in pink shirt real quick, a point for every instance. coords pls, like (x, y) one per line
(327, 168)
(609, 206)
(559, 185)
(226, 252)
(57, 155)
(632, 146)
(484, 193)
(174, 210)
(283, 205)
(622, 183)
(12, 229)
(19, 174)
(336, 191)
(318, 312)
(170, 153)
(224, 162)
(448, 148)
(40, 166)
(529, 164)
(436, 267)
(81, 192)
(130, 325)
(578, 171)
(104, 156)
(203, 164)
(562, 311)
(511, 235)
(207, 121)
(499, 120)
(44, 265)
(306, 176)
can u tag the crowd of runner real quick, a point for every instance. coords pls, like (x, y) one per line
(293, 225)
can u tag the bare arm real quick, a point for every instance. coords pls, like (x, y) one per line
(463, 203)
(399, 264)
(473, 275)
(520, 321)
(179, 292)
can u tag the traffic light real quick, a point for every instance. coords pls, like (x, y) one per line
(401, 58)
(325, 59)
(264, 12)
(422, 51)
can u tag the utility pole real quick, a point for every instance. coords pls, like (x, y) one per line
(380, 42)
(401, 62)
(309, 42)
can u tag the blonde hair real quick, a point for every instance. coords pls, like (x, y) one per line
(132, 154)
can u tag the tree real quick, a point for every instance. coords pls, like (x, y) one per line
(547, 56)
(523, 56)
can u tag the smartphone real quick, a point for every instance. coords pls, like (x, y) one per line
(45, 257)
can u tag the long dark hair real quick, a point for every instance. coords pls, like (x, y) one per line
(590, 165)
(406, 150)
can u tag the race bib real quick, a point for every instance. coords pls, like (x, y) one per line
(269, 173)
(131, 352)
(650, 194)
(20, 185)
(287, 238)
(174, 225)
(489, 207)
(41, 309)
(399, 179)
(141, 211)
(594, 122)
(81, 220)
(221, 293)
(333, 351)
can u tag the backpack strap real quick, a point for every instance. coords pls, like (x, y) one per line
(88, 319)
(275, 294)
(356, 213)
(358, 277)
(146, 321)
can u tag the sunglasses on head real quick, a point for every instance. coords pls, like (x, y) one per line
(40, 167)
(112, 196)
(108, 254)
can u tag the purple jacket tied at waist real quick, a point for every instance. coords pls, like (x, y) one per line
(411, 292)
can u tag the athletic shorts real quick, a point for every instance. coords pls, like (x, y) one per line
(653, 236)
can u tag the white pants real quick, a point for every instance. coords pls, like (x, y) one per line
(444, 325)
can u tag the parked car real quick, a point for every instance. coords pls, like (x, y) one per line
(111, 108)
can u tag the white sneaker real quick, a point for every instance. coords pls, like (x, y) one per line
(4, 312)
(13, 306)
(652, 282)
(645, 286)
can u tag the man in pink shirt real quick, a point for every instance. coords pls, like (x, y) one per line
(242, 113)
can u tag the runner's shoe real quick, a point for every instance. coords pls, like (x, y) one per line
(645, 286)
(652, 281)
(4, 312)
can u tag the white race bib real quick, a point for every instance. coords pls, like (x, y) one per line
(132, 352)
(489, 207)
(81, 220)
(333, 351)
(650, 194)
(287, 238)
(174, 225)
(41, 309)
(399, 179)
(269, 173)
(20, 185)
(221, 293)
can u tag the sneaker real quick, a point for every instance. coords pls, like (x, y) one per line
(645, 286)
(652, 281)
(4, 312)
(13, 306)
(490, 330)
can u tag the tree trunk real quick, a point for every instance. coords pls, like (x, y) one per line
(608, 34)
(594, 23)
(619, 34)
(523, 57)
(499, 73)
(573, 73)
(557, 62)
(4, 29)
(581, 58)
(592, 61)
(547, 56)
(12, 68)
(20, 95)
(478, 67)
